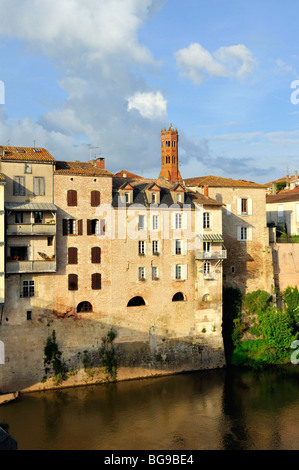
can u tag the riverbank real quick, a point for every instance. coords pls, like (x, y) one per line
(8, 397)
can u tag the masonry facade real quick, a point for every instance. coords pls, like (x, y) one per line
(88, 251)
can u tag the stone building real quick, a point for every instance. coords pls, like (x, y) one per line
(283, 210)
(248, 265)
(88, 252)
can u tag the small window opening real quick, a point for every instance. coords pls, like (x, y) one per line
(136, 301)
(178, 297)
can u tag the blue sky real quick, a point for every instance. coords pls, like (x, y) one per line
(111, 74)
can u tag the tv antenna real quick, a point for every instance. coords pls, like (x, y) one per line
(90, 149)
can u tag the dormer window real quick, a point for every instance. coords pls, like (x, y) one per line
(154, 198)
(127, 198)
(179, 198)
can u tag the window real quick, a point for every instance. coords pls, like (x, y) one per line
(50, 241)
(18, 217)
(178, 271)
(29, 315)
(95, 254)
(72, 255)
(173, 143)
(154, 273)
(155, 222)
(72, 282)
(84, 307)
(244, 206)
(178, 247)
(178, 297)
(206, 246)
(96, 281)
(243, 233)
(179, 197)
(136, 301)
(95, 198)
(28, 288)
(72, 197)
(27, 168)
(206, 220)
(38, 217)
(19, 186)
(93, 227)
(127, 198)
(39, 186)
(155, 247)
(154, 198)
(167, 143)
(141, 273)
(72, 227)
(178, 221)
(141, 247)
(141, 222)
(207, 268)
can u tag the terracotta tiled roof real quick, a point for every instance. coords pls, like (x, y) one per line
(25, 153)
(80, 168)
(218, 181)
(127, 174)
(283, 196)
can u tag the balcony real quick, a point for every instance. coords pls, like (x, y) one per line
(220, 254)
(31, 229)
(31, 266)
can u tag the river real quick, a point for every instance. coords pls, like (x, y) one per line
(227, 409)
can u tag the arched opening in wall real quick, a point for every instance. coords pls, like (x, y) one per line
(84, 307)
(136, 301)
(178, 297)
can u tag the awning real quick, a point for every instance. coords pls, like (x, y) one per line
(216, 237)
(30, 206)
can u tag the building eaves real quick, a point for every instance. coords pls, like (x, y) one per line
(80, 169)
(218, 181)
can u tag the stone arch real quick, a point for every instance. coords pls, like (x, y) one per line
(84, 306)
(178, 297)
(136, 301)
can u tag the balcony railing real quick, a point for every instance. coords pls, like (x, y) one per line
(31, 266)
(31, 229)
(220, 254)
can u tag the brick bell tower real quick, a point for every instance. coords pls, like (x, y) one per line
(169, 155)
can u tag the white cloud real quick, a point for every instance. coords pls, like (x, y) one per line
(196, 62)
(150, 105)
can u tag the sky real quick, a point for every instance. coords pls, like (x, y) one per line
(101, 78)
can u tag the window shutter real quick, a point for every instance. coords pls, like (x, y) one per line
(96, 281)
(94, 198)
(80, 227)
(184, 271)
(102, 227)
(73, 282)
(89, 227)
(249, 206)
(185, 220)
(228, 209)
(72, 197)
(95, 254)
(35, 186)
(249, 233)
(239, 206)
(238, 233)
(173, 272)
(184, 247)
(72, 255)
(64, 226)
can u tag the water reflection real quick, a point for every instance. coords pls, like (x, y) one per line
(211, 410)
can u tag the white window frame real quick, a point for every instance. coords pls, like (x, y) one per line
(180, 272)
(155, 246)
(28, 287)
(71, 226)
(141, 272)
(141, 222)
(141, 247)
(244, 233)
(207, 220)
(155, 222)
(155, 272)
(178, 221)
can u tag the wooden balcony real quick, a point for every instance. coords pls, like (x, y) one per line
(217, 254)
(31, 266)
(31, 229)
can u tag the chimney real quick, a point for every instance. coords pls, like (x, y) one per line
(100, 162)
(206, 191)
(273, 188)
(296, 174)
